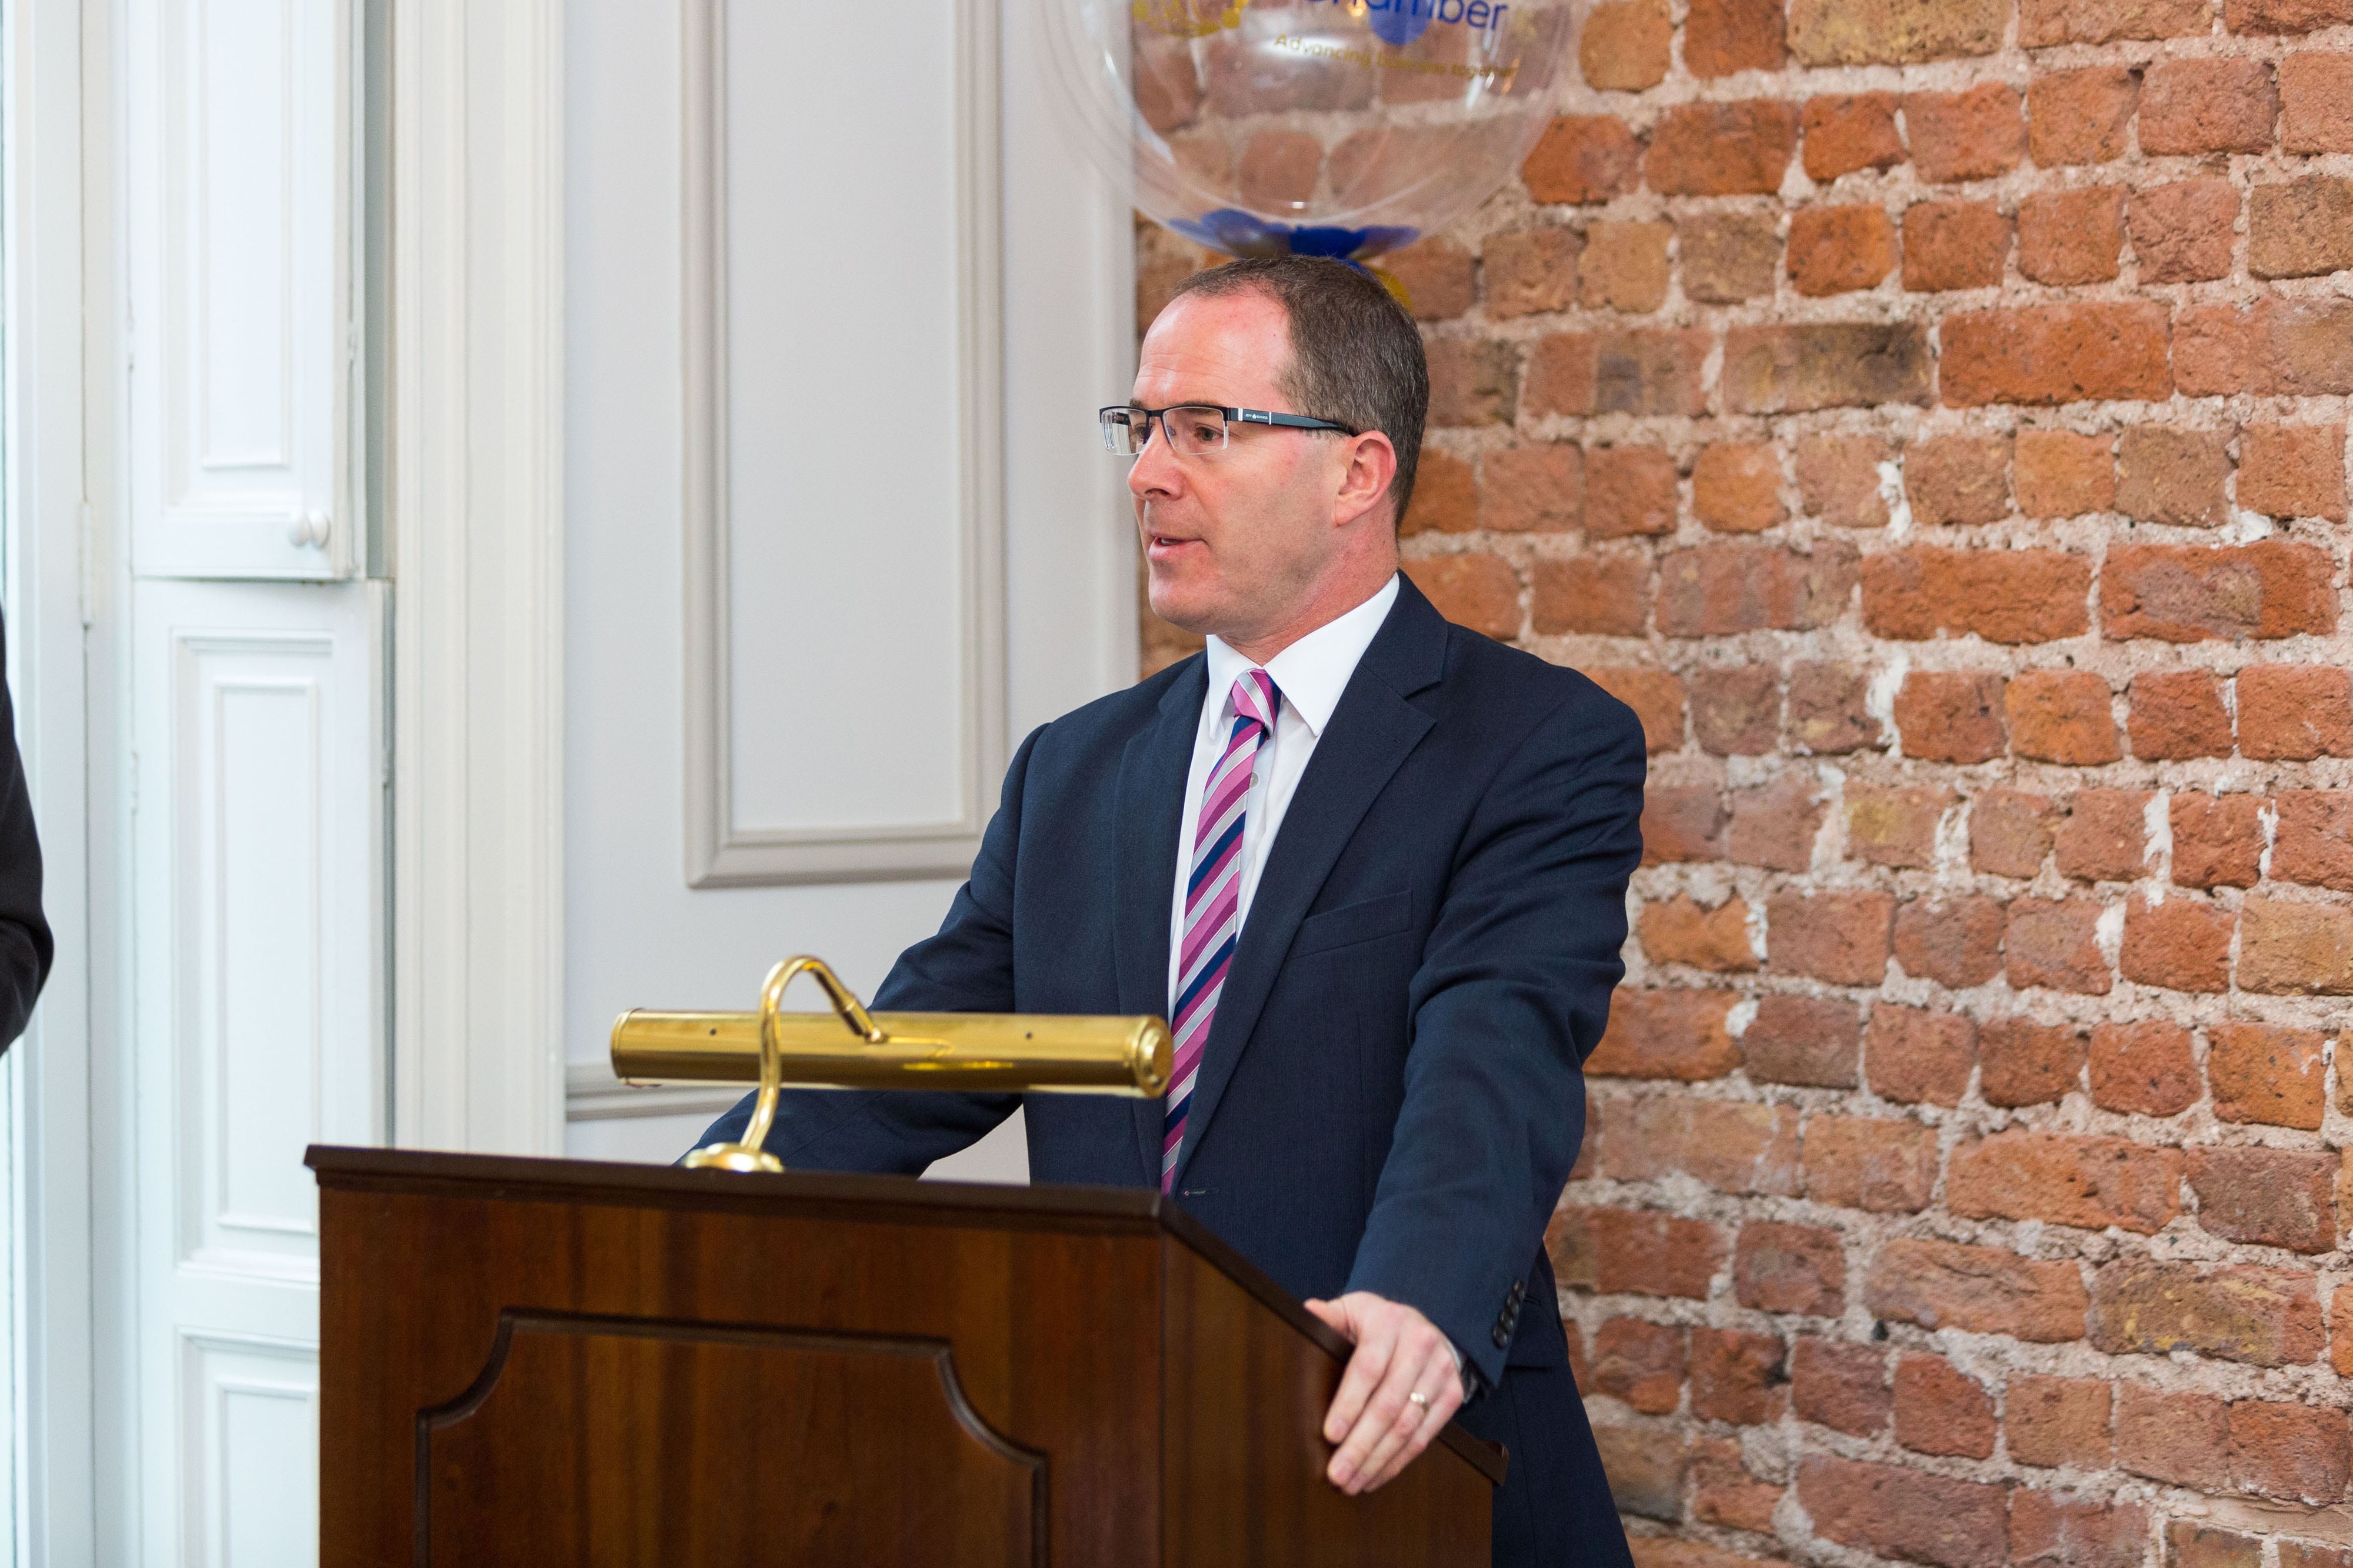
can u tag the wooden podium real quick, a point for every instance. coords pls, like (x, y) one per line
(549, 1361)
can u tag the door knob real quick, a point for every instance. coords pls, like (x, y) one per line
(310, 528)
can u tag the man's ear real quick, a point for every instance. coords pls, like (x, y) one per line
(1372, 466)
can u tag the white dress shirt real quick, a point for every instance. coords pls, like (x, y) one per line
(1311, 674)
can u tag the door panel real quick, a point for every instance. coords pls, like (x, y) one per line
(244, 337)
(260, 719)
(249, 1417)
(258, 846)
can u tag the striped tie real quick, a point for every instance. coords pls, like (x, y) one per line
(1213, 898)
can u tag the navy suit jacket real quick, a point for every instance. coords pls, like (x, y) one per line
(1390, 1096)
(26, 946)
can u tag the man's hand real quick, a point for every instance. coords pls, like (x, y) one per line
(1399, 1353)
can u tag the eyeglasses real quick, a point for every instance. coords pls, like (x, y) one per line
(1194, 429)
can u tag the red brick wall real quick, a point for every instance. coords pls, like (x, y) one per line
(1930, 415)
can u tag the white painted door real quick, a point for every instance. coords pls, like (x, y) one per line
(255, 668)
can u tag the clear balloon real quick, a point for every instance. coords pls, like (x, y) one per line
(1340, 127)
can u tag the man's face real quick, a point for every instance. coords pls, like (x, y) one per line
(1235, 539)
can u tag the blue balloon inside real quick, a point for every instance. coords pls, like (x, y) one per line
(1241, 234)
(1397, 23)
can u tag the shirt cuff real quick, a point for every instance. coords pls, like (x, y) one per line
(1472, 1382)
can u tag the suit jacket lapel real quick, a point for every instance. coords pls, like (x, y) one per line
(1150, 804)
(1372, 733)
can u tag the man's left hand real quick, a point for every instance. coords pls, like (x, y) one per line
(1399, 1353)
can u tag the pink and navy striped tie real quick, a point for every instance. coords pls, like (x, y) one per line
(1213, 898)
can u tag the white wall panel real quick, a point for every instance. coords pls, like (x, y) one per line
(637, 933)
(843, 496)
(851, 598)
(1069, 348)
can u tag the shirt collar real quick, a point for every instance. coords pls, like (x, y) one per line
(1313, 672)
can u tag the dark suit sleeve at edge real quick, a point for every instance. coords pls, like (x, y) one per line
(25, 946)
(965, 967)
(1512, 996)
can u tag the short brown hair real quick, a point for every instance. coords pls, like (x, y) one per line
(1355, 355)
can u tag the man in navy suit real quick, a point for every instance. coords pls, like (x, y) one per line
(1371, 866)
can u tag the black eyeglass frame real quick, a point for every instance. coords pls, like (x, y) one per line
(1233, 415)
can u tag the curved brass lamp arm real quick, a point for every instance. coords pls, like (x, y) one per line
(772, 995)
(751, 1154)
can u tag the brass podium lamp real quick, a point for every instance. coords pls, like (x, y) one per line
(852, 1049)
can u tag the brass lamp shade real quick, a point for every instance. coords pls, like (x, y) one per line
(918, 1050)
(851, 1048)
